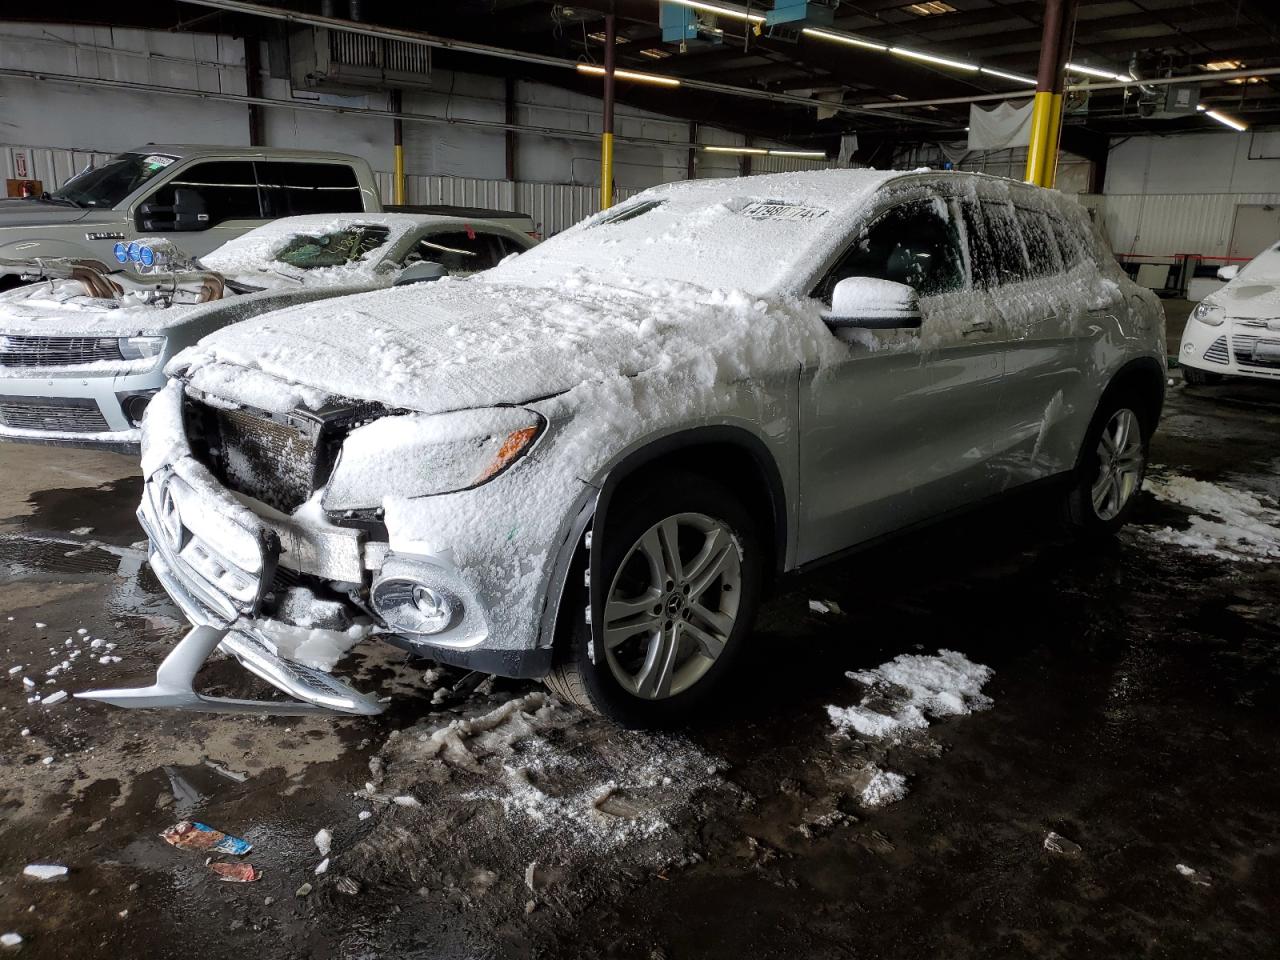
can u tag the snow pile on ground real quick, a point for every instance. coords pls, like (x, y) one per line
(879, 788)
(1229, 523)
(530, 780)
(903, 694)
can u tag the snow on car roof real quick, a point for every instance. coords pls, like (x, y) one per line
(754, 234)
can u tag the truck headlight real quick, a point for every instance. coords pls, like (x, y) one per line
(141, 348)
(421, 455)
(1209, 313)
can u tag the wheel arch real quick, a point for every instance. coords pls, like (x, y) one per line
(731, 454)
(1144, 377)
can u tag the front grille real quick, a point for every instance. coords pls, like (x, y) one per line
(70, 415)
(1243, 345)
(57, 351)
(1217, 352)
(266, 459)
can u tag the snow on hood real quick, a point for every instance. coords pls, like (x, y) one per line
(251, 257)
(1251, 299)
(754, 234)
(463, 343)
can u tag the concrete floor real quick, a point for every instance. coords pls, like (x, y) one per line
(1135, 708)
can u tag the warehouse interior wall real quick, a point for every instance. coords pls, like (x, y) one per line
(54, 120)
(1169, 196)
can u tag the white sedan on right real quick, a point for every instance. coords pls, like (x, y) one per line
(1235, 331)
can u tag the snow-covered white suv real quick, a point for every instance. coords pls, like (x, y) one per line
(587, 464)
(1235, 331)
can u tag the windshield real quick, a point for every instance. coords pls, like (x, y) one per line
(307, 252)
(1265, 266)
(761, 235)
(107, 185)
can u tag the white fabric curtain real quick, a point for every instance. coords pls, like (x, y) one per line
(1005, 125)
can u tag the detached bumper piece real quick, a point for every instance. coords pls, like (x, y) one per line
(314, 692)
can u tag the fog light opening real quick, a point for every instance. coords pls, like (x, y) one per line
(410, 606)
(135, 405)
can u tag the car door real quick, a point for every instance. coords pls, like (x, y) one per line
(870, 447)
(1044, 370)
(201, 206)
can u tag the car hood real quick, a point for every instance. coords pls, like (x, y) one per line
(31, 311)
(33, 213)
(459, 344)
(1251, 299)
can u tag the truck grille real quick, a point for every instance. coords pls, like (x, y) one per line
(70, 415)
(266, 459)
(21, 351)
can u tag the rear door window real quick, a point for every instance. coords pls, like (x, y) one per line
(915, 243)
(1071, 243)
(1042, 248)
(1007, 251)
(459, 252)
(292, 188)
(203, 196)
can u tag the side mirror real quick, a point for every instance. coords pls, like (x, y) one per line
(424, 271)
(1228, 272)
(873, 304)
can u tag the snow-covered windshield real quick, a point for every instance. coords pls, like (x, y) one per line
(761, 235)
(1265, 266)
(308, 251)
(107, 185)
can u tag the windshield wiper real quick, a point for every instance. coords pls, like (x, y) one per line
(48, 197)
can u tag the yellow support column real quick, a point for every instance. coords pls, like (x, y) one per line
(606, 171)
(1049, 175)
(1046, 110)
(398, 186)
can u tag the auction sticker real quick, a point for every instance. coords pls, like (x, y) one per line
(780, 210)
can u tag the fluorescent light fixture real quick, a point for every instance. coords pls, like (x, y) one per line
(930, 58)
(842, 38)
(930, 8)
(1238, 125)
(654, 53)
(806, 154)
(1015, 77)
(741, 150)
(1093, 72)
(719, 10)
(594, 71)
(601, 37)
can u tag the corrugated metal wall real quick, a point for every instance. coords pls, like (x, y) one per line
(50, 166)
(1161, 225)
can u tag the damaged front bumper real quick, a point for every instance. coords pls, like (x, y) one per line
(242, 571)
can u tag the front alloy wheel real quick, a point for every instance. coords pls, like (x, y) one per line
(1121, 459)
(683, 564)
(672, 605)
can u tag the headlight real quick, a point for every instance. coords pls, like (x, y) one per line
(141, 348)
(420, 455)
(1209, 313)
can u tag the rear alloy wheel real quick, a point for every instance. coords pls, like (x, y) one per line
(1121, 463)
(1112, 471)
(682, 565)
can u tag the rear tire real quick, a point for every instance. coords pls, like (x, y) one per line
(1111, 468)
(681, 565)
(1195, 377)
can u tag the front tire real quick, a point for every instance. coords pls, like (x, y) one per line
(1113, 464)
(682, 566)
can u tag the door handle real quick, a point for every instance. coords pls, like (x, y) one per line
(979, 326)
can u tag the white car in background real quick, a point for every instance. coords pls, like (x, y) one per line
(83, 350)
(586, 464)
(1235, 331)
